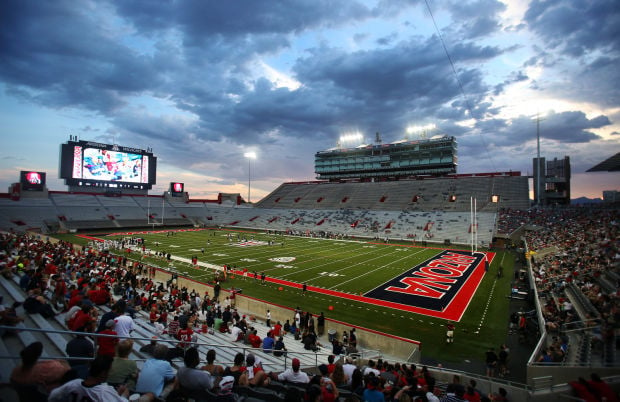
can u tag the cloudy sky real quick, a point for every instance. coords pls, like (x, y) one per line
(202, 82)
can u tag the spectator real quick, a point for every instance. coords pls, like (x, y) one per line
(471, 395)
(45, 373)
(107, 345)
(190, 377)
(254, 339)
(83, 349)
(156, 373)
(371, 369)
(268, 343)
(357, 382)
(124, 325)
(279, 349)
(150, 348)
(294, 374)
(602, 390)
(372, 392)
(173, 327)
(225, 393)
(500, 396)
(124, 370)
(214, 369)
(93, 388)
(8, 315)
(116, 310)
(454, 393)
(236, 334)
(320, 324)
(338, 376)
(491, 362)
(348, 369)
(237, 369)
(254, 373)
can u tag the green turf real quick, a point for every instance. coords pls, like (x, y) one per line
(349, 266)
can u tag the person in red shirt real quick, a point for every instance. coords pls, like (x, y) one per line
(81, 319)
(471, 395)
(60, 290)
(330, 364)
(107, 345)
(177, 303)
(76, 296)
(99, 296)
(255, 340)
(163, 318)
(153, 316)
(277, 330)
(186, 337)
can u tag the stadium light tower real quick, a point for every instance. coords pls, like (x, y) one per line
(421, 130)
(250, 155)
(351, 138)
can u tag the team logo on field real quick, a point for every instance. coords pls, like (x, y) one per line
(249, 243)
(285, 266)
(433, 284)
(283, 259)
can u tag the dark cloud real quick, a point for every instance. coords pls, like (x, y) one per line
(201, 21)
(577, 26)
(516, 76)
(564, 127)
(477, 19)
(52, 54)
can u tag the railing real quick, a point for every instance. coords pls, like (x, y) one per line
(245, 349)
(541, 319)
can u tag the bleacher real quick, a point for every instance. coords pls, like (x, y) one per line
(582, 288)
(434, 194)
(55, 342)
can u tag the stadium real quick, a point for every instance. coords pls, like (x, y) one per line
(425, 265)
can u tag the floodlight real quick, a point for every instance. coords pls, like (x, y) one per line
(251, 155)
(351, 137)
(495, 198)
(417, 129)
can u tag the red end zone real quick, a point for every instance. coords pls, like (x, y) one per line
(453, 310)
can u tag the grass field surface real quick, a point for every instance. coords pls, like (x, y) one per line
(339, 268)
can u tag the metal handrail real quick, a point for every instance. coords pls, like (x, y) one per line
(246, 349)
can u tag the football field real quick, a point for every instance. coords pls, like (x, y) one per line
(398, 287)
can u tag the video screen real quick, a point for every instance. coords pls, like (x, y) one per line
(32, 181)
(177, 187)
(102, 165)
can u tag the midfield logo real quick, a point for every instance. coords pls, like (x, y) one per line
(432, 284)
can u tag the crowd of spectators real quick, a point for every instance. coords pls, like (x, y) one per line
(63, 279)
(574, 250)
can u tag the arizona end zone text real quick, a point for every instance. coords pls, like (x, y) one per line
(435, 283)
(435, 278)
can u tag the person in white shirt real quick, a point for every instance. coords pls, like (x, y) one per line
(348, 369)
(236, 334)
(124, 325)
(371, 369)
(93, 388)
(294, 374)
